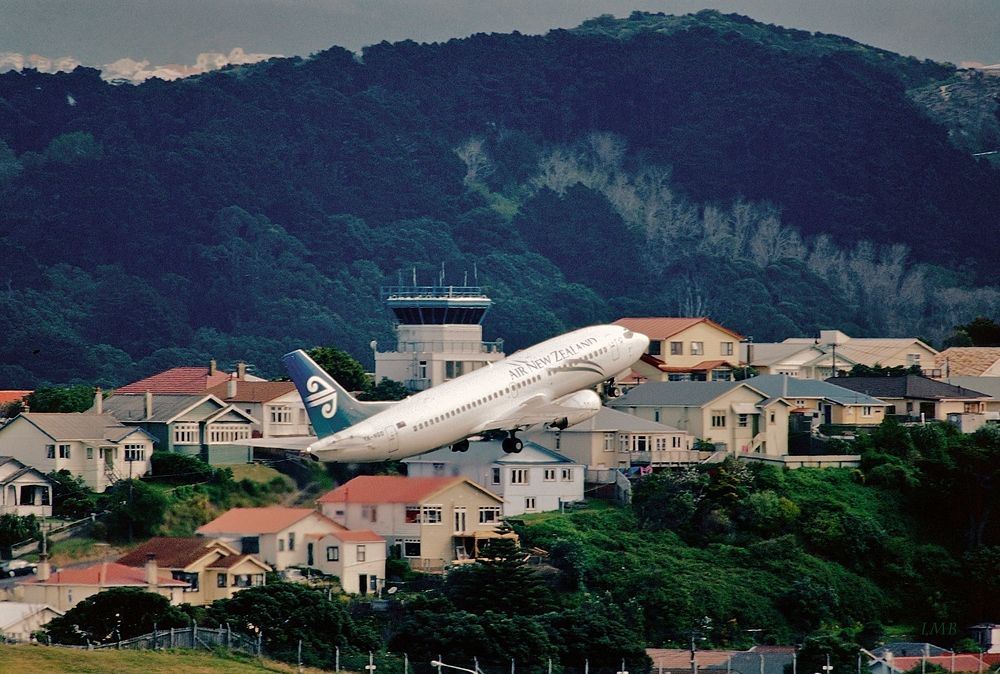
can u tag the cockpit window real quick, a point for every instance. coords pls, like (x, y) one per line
(628, 334)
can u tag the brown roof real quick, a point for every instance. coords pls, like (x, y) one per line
(188, 380)
(966, 361)
(173, 553)
(387, 489)
(12, 396)
(680, 658)
(251, 521)
(962, 662)
(230, 561)
(252, 391)
(115, 575)
(358, 536)
(703, 366)
(664, 328)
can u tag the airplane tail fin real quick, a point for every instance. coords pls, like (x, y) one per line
(330, 407)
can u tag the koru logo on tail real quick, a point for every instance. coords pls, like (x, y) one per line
(321, 393)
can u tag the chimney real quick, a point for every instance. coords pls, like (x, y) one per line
(149, 404)
(102, 578)
(98, 401)
(211, 367)
(152, 572)
(241, 370)
(43, 567)
(231, 387)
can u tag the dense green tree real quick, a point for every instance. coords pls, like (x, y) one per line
(71, 497)
(808, 604)
(115, 614)
(981, 331)
(348, 372)
(17, 529)
(387, 389)
(79, 398)
(135, 509)
(876, 370)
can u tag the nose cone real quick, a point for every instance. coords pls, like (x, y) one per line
(641, 341)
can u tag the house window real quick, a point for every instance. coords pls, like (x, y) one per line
(413, 514)
(422, 370)
(697, 348)
(361, 553)
(411, 548)
(718, 418)
(742, 421)
(676, 348)
(725, 348)
(654, 348)
(496, 476)
(800, 402)
(250, 545)
(90, 453)
(373, 582)
(453, 368)
(438, 470)
(63, 451)
(185, 434)
(291, 541)
(134, 453)
(970, 408)
(248, 580)
(45, 496)
(866, 411)
(333, 553)
(519, 476)
(190, 578)
(772, 417)
(281, 544)
(529, 503)
(567, 474)
(50, 451)
(550, 474)
(623, 442)
(656, 415)
(369, 513)
(431, 514)
(489, 515)
(675, 441)
(281, 415)
(222, 580)
(913, 359)
(609, 442)
(228, 433)
(459, 520)
(722, 375)
(661, 443)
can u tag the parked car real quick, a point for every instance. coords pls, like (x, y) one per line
(17, 567)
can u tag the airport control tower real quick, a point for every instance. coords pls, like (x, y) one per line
(439, 336)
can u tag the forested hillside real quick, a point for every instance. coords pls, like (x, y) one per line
(777, 181)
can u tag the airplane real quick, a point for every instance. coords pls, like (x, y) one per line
(548, 383)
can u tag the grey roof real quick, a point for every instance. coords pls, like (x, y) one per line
(910, 386)
(608, 420)
(77, 426)
(749, 662)
(491, 451)
(674, 394)
(131, 407)
(779, 385)
(902, 649)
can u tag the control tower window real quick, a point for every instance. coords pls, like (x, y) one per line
(453, 368)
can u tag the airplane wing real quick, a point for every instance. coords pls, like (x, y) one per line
(539, 410)
(298, 442)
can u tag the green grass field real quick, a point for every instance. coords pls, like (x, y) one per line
(256, 472)
(44, 659)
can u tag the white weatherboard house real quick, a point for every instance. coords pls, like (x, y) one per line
(24, 490)
(533, 480)
(95, 447)
(18, 620)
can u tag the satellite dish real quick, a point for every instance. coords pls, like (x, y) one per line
(392, 590)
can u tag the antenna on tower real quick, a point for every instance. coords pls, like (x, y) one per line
(414, 277)
(466, 281)
(475, 273)
(441, 282)
(400, 278)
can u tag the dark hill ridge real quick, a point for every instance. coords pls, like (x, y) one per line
(257, 209)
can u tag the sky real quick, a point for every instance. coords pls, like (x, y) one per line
(97, 32)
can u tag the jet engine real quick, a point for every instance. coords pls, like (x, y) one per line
(579, 406)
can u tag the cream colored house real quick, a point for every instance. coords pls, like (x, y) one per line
(24, 490)
(921, 398)
(612, 439)
(823, 402)
(794, 359)
(357, 558)
(275, 405)
(279, 536)
(96, 447)
(64, 589)
(432, 522)
(682, 349)
(19, 620)
(733, 416)
(212, 569)
(901, 352)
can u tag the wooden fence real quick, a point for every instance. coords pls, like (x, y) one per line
(189, 637)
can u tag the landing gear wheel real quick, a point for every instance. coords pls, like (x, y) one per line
(512, 445)
(611, 390)
(460, 446)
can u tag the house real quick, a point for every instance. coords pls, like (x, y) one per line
(185, 380)
(96, 447)
(871, 351)
(212, 569)
(795, 359)
(682, 349)
(275, 405)
(196, 425)
(986, 636)
(732, 415)
(432, 522)
(278, 535)
(24, 490)
(822, 402)
(987, 385)
(19, 620)
(921, 398)
(356, 557)
(612, 439)
(968, 361)
(533, 480)
(64, 589)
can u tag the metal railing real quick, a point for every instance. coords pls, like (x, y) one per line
(442, 346)
(407, 292)
(189, 637)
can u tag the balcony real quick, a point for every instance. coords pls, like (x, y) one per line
(442, 346)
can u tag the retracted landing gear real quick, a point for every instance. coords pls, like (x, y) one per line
(512, 445)
(460, 446)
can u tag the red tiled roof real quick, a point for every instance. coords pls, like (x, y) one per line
(387, 489)
(252, 521)
(663, 328)
(252, 391)
(172, 553)
(963, 662)
(12, 396)
(188, 380)
(115, 575)
(358, 536)
(680, 658)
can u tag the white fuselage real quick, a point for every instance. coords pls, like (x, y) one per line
(465, 406)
